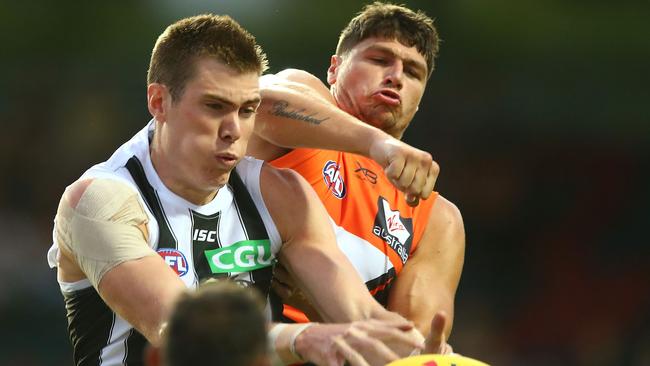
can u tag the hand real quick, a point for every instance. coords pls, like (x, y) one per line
(411, 170)
(361, 343)
(284, 285)
(435, 342)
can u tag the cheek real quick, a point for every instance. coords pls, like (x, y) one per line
(246, 129)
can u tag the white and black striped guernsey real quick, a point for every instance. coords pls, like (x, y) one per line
(232, 236)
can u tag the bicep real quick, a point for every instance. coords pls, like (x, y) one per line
(101, 227)
(310, 252)
(429, 280)
(142, 291)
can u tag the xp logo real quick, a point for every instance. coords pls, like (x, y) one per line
(243, 256)
(333, 179)
(174, 259)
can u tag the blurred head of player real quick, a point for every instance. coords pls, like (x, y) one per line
(383, 60)
(220, 324)
(203, 91)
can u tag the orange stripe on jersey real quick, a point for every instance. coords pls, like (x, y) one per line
(381, 287)
(294, 314)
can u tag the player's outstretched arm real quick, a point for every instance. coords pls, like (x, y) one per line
(364, 342)
(101, 232)
(298, 111)
(309, 251)
(428, 282)
(321, 270)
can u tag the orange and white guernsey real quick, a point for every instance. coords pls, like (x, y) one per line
(374, 226)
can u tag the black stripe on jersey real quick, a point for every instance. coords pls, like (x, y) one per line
(385, 280)
(254, 228)
(166, 237)
(90, 322)
(135, 345)
(253, 224)
(203, 228)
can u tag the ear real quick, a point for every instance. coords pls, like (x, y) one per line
(158, 99)
(333, 70)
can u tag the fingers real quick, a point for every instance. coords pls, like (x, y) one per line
(412, 200)
(395, 334)
(430, 181)
(436, 341)
(348, 353)
(394, 170)
(368, 349)
(412, 171)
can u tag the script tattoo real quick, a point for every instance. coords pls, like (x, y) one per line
(280, 108)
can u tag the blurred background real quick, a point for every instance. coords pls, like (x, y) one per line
(538, 113)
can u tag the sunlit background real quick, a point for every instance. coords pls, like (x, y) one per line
(538, 113)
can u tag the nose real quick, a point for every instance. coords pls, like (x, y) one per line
(230, 128)
(394, 75)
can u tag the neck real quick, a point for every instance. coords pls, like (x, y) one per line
(173, 179)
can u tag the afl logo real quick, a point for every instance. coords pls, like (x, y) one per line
(175, 260)
(333, 179)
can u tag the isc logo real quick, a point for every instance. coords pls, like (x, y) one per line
(205, 235)
(333, 179)
(175, 260)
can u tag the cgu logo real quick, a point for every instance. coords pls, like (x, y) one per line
(175, 260)
(243, 256)
(333, 179)
(205, 235)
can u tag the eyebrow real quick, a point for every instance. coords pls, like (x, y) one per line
(223, 100)
(419, 65)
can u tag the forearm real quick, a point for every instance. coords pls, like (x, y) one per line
(332, 285)
(292, 116)
(419, 308)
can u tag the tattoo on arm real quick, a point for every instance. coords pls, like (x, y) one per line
(280, 108)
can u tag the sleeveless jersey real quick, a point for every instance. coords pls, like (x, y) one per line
(233, 236)
(374, 226)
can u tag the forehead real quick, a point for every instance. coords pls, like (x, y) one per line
(215, 78)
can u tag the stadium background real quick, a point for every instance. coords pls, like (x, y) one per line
(538, 114)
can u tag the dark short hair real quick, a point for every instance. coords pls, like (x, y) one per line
(392, 21)
(221, 322)
(207, 35)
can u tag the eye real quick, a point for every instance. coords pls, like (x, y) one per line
(414, 73)
(215, 106)
(248, 111)
(378, 60)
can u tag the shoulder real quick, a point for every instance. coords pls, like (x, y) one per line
(444, 231)
(446, 210)
(280, 181)
(445, 215)
(96, 193)
(288, 197)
